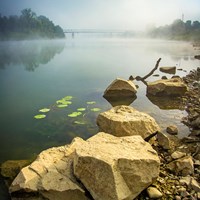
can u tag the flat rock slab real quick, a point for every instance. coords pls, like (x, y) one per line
(169, 87)
(116, 168)
(120, 87)
(126, 121)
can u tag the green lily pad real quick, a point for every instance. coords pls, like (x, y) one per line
(75, 114)
(91, 102)
(62, 105)
(39, 116)
(95, 109)
(44, 110)
(81, 109)
(64, 102)
(68, 97)
(78, 122)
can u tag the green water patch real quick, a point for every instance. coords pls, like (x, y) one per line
(79, 122)
(62, 105)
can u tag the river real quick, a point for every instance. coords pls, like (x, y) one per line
(35, 74)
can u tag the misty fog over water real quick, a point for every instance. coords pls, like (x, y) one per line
(35, 74)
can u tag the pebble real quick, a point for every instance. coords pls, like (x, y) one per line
(173, 130)
(154, 193)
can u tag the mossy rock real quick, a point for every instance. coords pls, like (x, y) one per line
(11, 168)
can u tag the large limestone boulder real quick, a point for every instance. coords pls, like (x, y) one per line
(51, 175)
(116, 168)
(126, 121)
(119, 88)
(169, 87)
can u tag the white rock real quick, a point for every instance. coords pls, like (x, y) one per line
(116, 168)
(126, 121)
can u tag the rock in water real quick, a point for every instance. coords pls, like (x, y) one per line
(116, 168)
(120, 87)
(172, 129)
(51, 175)
(169, 87)
(126, 121)
(168, 70)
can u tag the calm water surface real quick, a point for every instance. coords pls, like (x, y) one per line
(35, 74)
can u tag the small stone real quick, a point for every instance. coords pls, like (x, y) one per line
(173, 130)
(154, 193)
(195, 185)
(182, 189)
(164, 77)
(177, 155)
(184, 194)
(178, 197)
(163, 141)
(198, 195)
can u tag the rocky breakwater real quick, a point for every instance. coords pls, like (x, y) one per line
(104, 167)
(126, 121)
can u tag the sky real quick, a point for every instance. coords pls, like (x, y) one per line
(107, 14)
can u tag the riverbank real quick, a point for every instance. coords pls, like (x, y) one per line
(179, 175)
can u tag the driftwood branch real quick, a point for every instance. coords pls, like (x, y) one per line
(138, 78)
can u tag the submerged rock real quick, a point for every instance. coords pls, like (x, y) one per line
(121, 88)
(116, 168)
(125, 121)
(169, 87)
(168, 70)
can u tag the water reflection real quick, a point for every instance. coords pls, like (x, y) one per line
(166, 103)
(31, 54)
(117, 101)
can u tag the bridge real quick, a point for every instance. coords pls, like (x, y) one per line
(95, 31)
(98, 31)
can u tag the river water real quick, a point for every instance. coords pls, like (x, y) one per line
(35, 74)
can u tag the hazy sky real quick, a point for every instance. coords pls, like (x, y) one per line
(107, 14)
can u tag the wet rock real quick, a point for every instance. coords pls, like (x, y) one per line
(116, 167)
(183, 166)
(154, 193)
(51, 175)
(164, 77)
(120, 87)
(169, 87)
(168, 70)
(177, 155)
(11, 168)
(163, 141)
(126, 121)
(197, 57)
(173, 130)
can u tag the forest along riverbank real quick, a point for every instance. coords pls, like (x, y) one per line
(179, 176)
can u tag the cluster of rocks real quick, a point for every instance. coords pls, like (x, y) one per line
(130, 158)
(192, 102)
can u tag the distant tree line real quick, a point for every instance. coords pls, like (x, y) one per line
(178, 30)
(28, 26)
